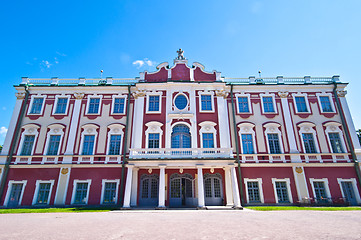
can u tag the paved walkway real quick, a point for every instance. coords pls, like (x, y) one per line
(183, 224)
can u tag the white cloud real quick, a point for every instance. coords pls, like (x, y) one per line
(3, 131)
(46, 64)
(56, 60)
(61, 54)
(144, 62)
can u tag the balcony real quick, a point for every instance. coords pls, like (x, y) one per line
(179, 153)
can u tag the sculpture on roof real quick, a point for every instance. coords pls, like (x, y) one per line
(180, 55)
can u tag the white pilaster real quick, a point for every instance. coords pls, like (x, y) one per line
(301, 184)
(194, 132)
(201, 202)
(161, 199)
(236, 198)
(225, 140)
(137, 132)
(134, 194)
(13, 122)
(128, 187)
(229, 194)
(73, 128)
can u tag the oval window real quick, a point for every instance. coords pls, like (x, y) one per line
(181, 102)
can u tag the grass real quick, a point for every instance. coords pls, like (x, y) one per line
(55, 210)
(288, 208)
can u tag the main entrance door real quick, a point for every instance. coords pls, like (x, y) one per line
(213, 189)
(16, 189)
(181, 191)
(349, 193)
(149, 190)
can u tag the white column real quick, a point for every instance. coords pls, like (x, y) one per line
(73, 128)
(134, 194)
(137, 132)
(14, 119)
(161, 200)
(289, 126)
(223, 121)
(229, 194)
(201, 203)
(128, 186)
(236, 198)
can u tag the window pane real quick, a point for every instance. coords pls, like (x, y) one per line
(54, 143)
(43, 194)
(114, 145)
(301, 104)
(61, 105)
(282, 192)
(320, 191)
(274, 143)
(253, 192)
(119, 105)
(88, 144)
(208, 141)
(243, 104)
(247, 143)
(37, 105)
(110, 192)
(336, 143)
(268, 104)
(94, 105)
(326, 104)
(153, 103)
(153, 140)
(27, 145)
(206, 102)
(81, 193)
(309, 143)
(181, 102)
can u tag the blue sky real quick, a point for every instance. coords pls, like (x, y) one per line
(71, 39)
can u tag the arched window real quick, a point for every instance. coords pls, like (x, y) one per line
(181, 137)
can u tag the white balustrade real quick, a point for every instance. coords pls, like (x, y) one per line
(181, 153)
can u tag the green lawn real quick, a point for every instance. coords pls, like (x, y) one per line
(54, 210)
(287, 208)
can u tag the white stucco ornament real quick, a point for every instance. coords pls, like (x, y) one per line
(31, 130)
(150, 170)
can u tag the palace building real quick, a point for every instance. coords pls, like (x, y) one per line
(180, 137)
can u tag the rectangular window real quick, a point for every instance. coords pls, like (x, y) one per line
(114, 144)
(88, 145)
(243, 105)
(268, 105)
(282, 192)
(309, 143)
(247, 144)
(110, 192)
(81, 193)
(94, 105)
(27, 145)
(326, 104)
(53, 146)
(274, 143)
(153, 140)
(253, 192)
(208, 141)
(206, 102)
(61, 105)
(336, 143)
(37, 106)
(43, 194)
(153, 103)
(119, 105)
(320, 191)
(301, 104)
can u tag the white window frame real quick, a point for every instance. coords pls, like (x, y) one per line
(334, 127)
(88, 103)
(200, 93)
(247, 128)
(274, 128)
(153, 127)
(288, 184)
(174, 107)
(56, 104)
(104, 181)
(329, 95)
(8, 192)
(325, 183)
(154, 93)
(294, 95)
(88, 129)
(260, 188)
(208, 127)
(37, 188)
(248, 96)
(354, 186)
(113, 103)
(308, 127)
(32, 101)
(114, 129)
(54, 129)
(75, 182)
(29, 129)
(273, 101)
